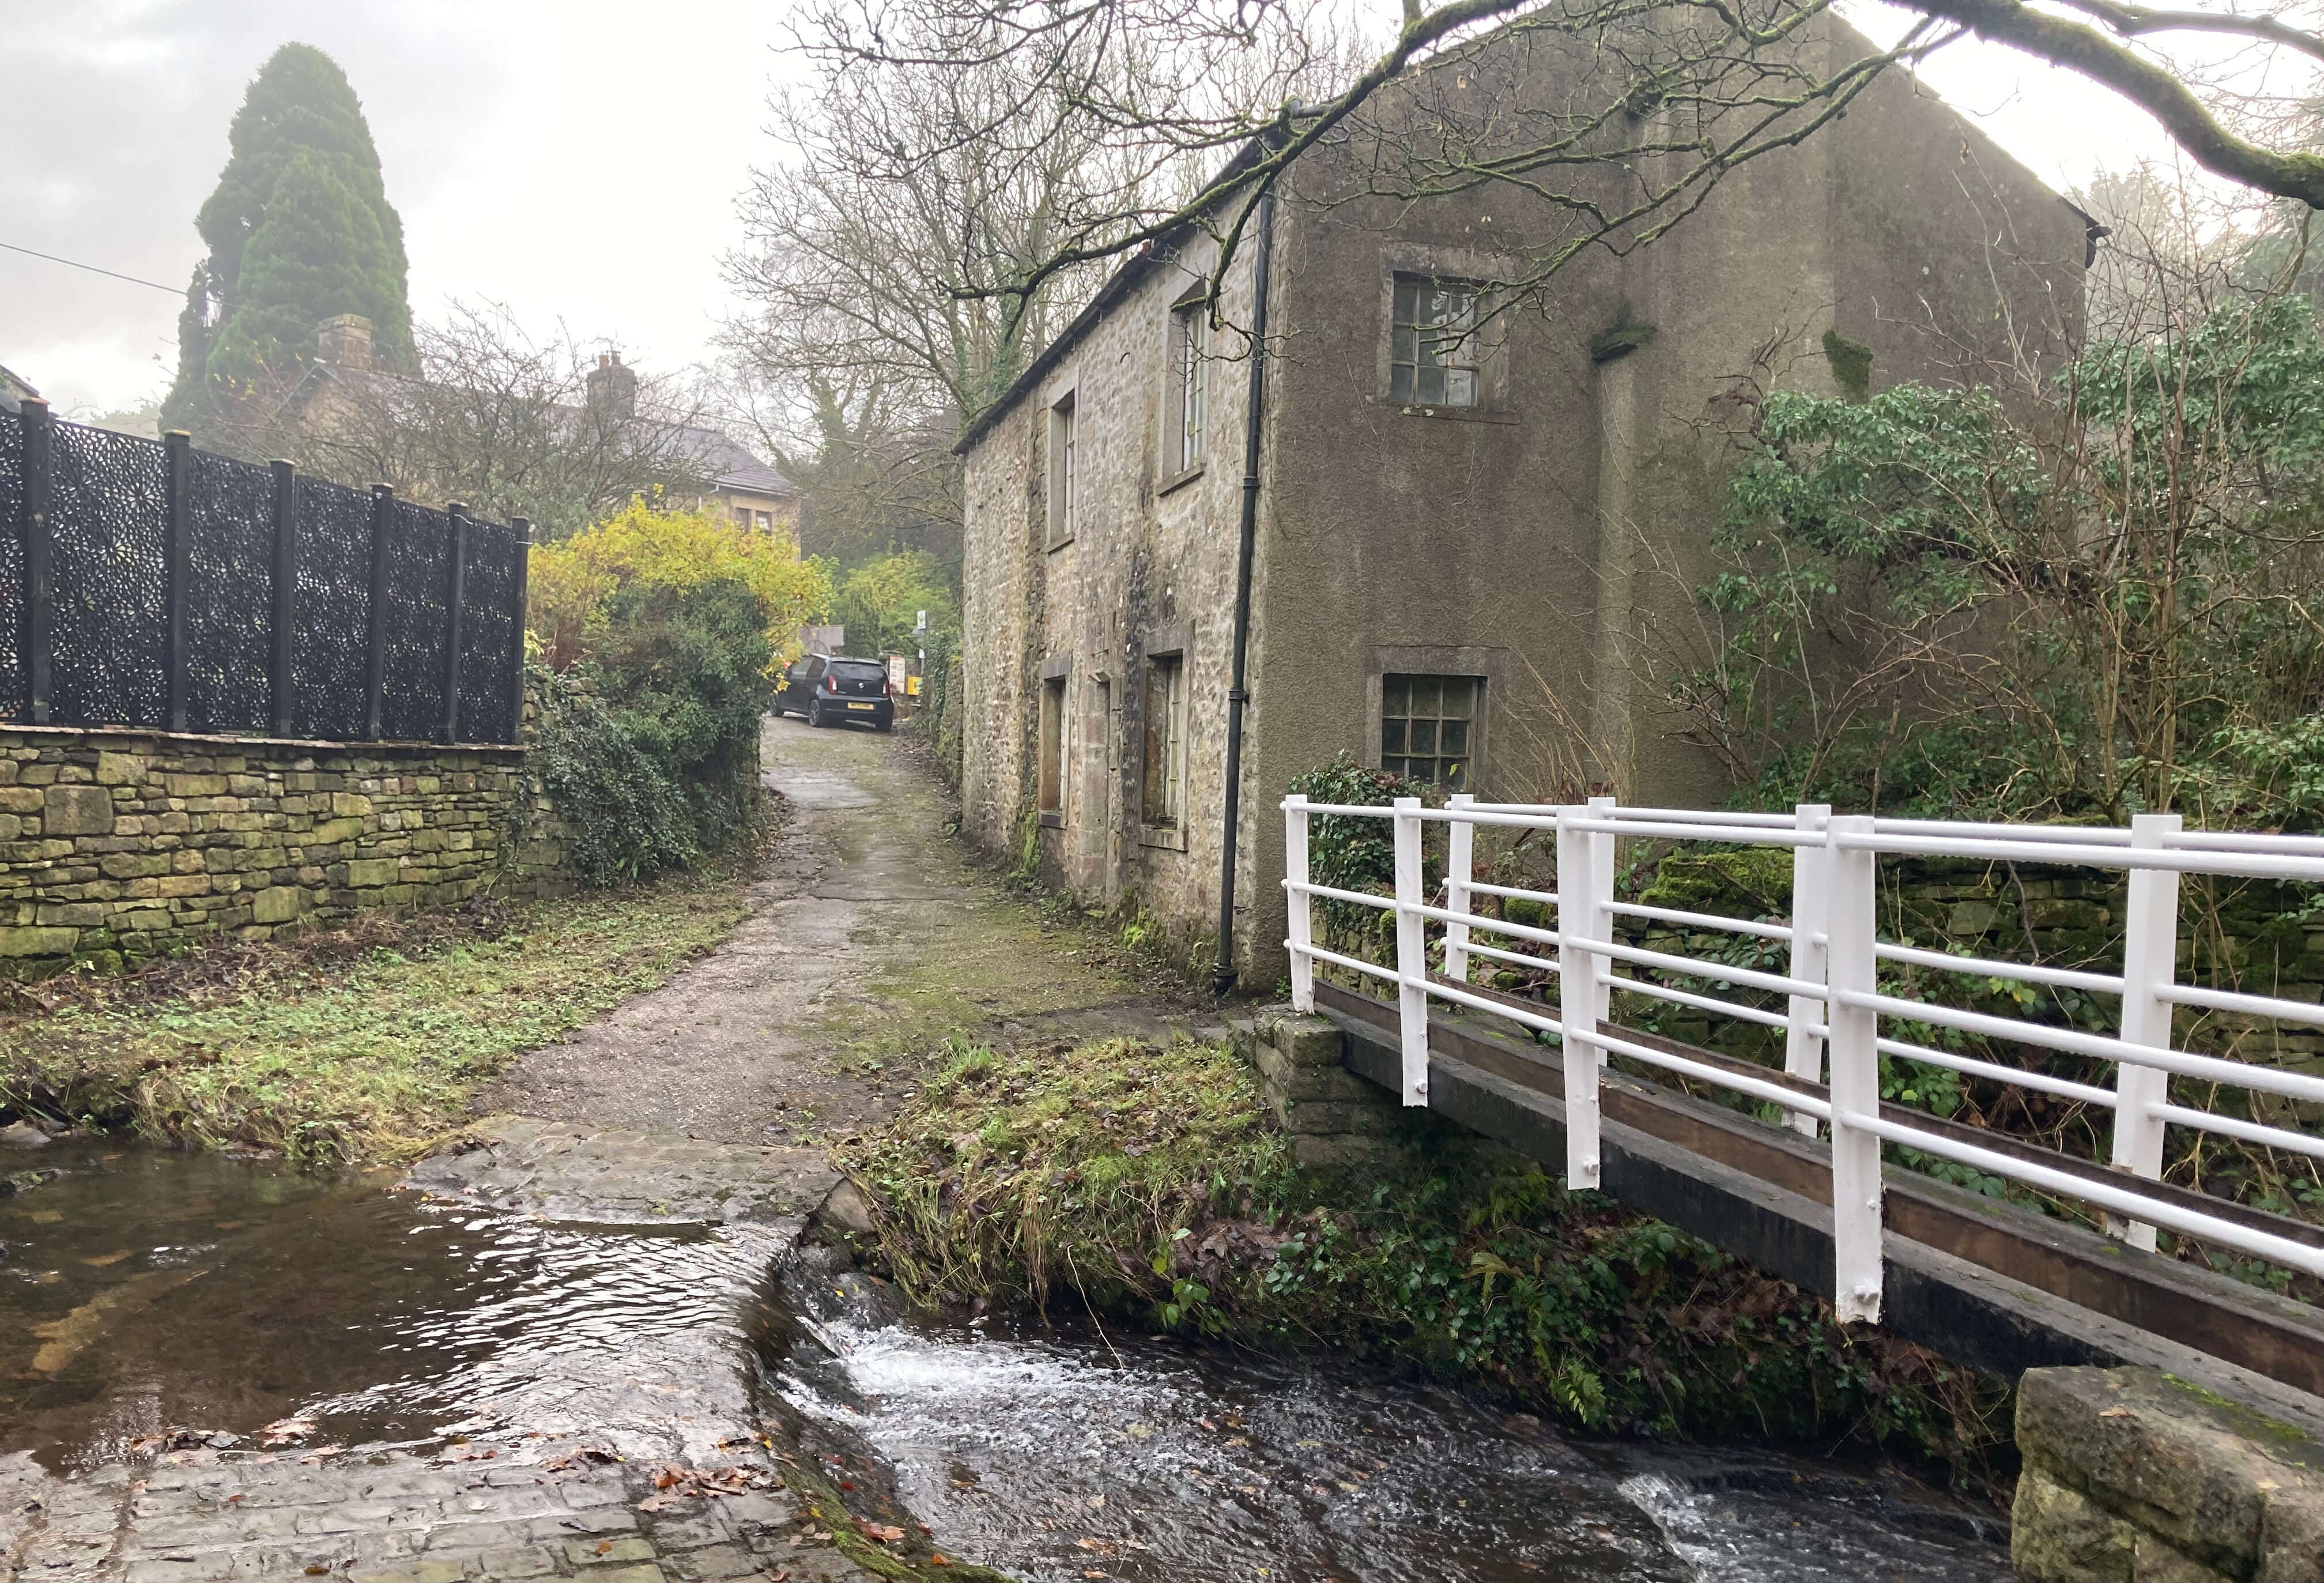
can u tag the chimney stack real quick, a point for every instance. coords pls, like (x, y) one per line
(613, 388)
(344, 341)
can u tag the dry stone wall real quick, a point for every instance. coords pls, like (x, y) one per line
(121, 844)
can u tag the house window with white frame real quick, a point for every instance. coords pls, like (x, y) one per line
(1163, 792)
(1434, 344)
(1064, 469)
(1190, 344)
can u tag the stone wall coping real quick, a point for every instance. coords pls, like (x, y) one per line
(200, 739)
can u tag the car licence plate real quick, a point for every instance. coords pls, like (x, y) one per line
(860, 705)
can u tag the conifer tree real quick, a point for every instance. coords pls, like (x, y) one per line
(299, 229)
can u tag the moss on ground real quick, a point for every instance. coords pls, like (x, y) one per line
(1146, 1183)
(356, 1043)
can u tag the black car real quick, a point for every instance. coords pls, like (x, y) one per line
(824, 690)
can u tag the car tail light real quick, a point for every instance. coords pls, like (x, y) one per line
(887, 688)
(831, 684)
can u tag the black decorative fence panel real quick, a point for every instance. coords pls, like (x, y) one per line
(333, 617)
(488, 624)
(12, 567)
(229, 602)
(107, 508)
(419, 565)
(149, 584)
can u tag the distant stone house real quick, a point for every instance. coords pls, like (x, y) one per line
(1466, 546)
(735, 484)
(740, 485)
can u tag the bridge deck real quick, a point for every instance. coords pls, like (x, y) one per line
(1976, 1279)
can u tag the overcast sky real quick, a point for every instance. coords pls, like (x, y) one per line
(577, 159)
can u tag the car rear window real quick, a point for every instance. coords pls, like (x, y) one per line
(858, 670)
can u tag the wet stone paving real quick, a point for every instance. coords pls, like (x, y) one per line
(544, 1367)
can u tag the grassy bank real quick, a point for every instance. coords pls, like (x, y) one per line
(1146, 1184)
(355, 1043)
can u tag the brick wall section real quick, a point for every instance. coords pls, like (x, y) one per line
(119, 844)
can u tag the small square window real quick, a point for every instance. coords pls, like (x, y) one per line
(1428, 729)
(1434, 342)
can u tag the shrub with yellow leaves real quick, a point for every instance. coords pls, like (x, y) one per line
(643, 547)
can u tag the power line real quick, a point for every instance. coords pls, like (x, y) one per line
(76, 263)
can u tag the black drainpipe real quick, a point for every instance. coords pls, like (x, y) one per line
(1223, 979)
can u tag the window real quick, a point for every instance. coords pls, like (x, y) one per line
(1190, 378)
(1064, 469)
(1428, 729)
(1435, 343)
(1164, 789)
(766, 523)
(1051, 790)
(741, 516)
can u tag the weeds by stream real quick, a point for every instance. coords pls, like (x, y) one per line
(360, 1043)
(1138, 1184)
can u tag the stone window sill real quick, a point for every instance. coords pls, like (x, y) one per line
(1053, 818)
(1055, 545)
(1502, 415)
(1180, 479)
(1166, 837)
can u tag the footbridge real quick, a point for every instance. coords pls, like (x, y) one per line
(1811, 1160)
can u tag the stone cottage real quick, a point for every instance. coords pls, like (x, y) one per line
(1477, 533)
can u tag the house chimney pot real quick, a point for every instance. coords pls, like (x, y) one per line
(344, 341)
(613, 389)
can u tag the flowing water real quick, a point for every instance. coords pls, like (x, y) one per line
(1149, 1461)
(142, 1290)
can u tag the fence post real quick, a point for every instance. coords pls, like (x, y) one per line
(1603, 854)
(1459, 848)
(2150, 964)
(1411, 951)
(285, 618)
(40, 581)
(176, 536)
(1810, 892)
(1577, 997)
(522, 529)
(1300, 919)
(383, 520)
(1850, 915)
(456, 589)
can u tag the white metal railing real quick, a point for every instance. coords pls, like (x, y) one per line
(1832, 1006)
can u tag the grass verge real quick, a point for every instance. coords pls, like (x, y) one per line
(356, 1043)
(1148, 1184)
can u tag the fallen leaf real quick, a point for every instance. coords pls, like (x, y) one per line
(883, 1532)
(604, 1545)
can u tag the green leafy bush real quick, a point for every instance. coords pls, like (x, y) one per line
(1147, 1182)
(1350, 853)
(650, 748)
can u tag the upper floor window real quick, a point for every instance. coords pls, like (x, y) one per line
(1065, 466)
(1436, 347)
(1190, 376)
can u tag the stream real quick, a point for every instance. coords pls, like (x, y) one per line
(144, 1292)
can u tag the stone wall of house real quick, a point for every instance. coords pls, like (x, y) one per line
(119, 844)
